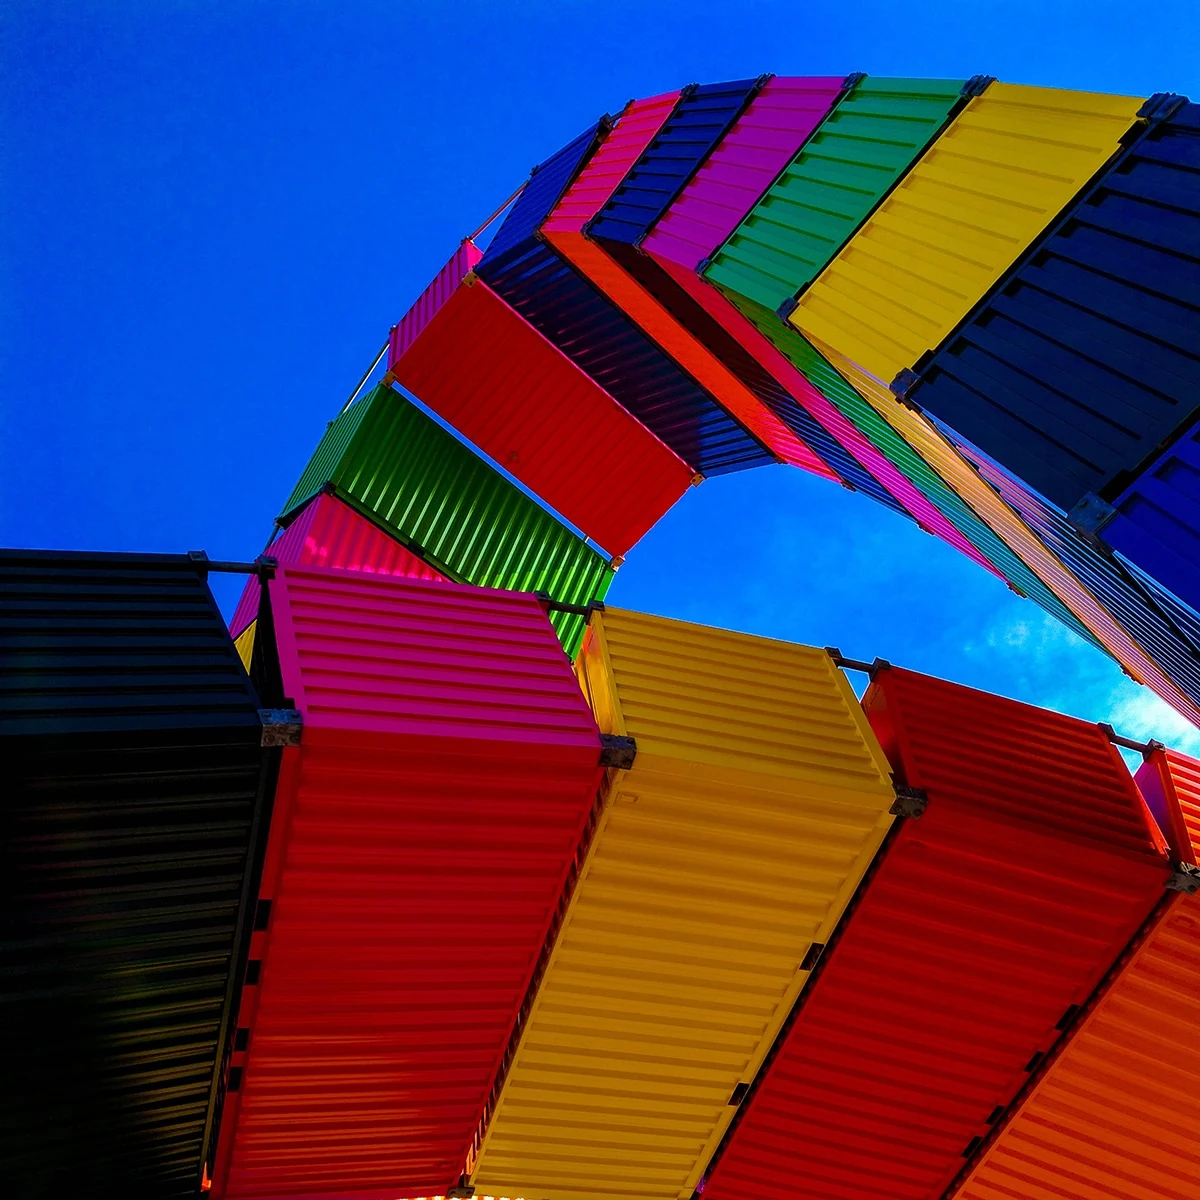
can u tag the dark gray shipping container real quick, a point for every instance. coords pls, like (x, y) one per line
(1085, 360)
(136, 802)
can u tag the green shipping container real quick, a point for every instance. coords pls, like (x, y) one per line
(410, 476)
(857, 155)
(888, 441)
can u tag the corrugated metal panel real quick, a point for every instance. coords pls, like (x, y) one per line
(590, 331)
(135, 791)
(756, 801)
(742, 166)
(564, 232)
(425, 828)
(547, 182)
(687, 137)
(1179, 613)
(1006, 902)
(1115, 588)
(491, 375)
(1170, 783)
(328, 533)
(1116, 1115)
(431, 300)
(891, 441)
(1156, 522)
(959, 219)
(953, 468)
(385, 457)
(842, 172)
(1086, 358)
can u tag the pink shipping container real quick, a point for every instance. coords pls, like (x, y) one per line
(747, 160)
(329, 533)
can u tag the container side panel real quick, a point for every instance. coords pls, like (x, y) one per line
(857, 154)
(429, 303)
(959, 220)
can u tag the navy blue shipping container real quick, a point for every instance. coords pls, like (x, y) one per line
(699, 121)
(1085, 360)
(1155, 522)
(136, 802)
(1166, 640)
(1182, 615)
(557, 301)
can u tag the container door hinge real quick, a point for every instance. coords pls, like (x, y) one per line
(910, 801)
(617, 751)
(1184, 878)
(281, 726)
(1090, 514)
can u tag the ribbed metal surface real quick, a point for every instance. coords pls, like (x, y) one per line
(1116, 1115)
(1180, 614)
(546, 185)
(424, 830)
(1008, 900)
(1157, 519)
(618, 285)
(742, 166)
(953, 468)
(423, 486)
(329, 533)
(1170, 784)
(1113, 586)
(697, 123)
(969, 208)
(484, 369)
(431, 301)
(133, 790)
(1074, 372)
(755, 803)
(858, 153)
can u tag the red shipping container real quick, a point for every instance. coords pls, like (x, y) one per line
(563, 229)
(482, 367)
(981, 924)
(328, 533)
(420, 843)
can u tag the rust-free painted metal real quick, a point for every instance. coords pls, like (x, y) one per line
(422, 834)
(722, 861)
(1115, 1115)
(482, 367)
(985, 919)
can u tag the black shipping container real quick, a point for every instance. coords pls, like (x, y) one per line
(135, 806)
(1085, 360)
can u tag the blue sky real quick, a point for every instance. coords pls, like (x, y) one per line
(211, 213)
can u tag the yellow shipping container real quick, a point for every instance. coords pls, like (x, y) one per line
(721, 864)
(244, 643)
(990, 507)
(972, 205)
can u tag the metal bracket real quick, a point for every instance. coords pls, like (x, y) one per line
(617, 751)
(1090, 514)
(281, 726)
(906, 379)
(786, 309)
(856, 664)
(464, 1191)
(977, 85)
(853, 80)
(1160, 106)
(1184, 878)
(910, 802)
(561, 606)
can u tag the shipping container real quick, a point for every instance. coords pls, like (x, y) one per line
(949, 463)
(970, 206)
(563, 229)
(136, 795)
(856, 156)
(327, 532)
(702, 117)
(423, 834)
(1155, 522)
(1116, 1114)
(1172, 645)
(487, 372)
(722, 862)
(741, 167)
(560, 303)
(401, 469)
(986, 920)
(1086, 357)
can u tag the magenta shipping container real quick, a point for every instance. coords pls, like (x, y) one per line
(745, 163)
(329, 533)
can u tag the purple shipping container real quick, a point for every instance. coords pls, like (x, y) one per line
(747, 160)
